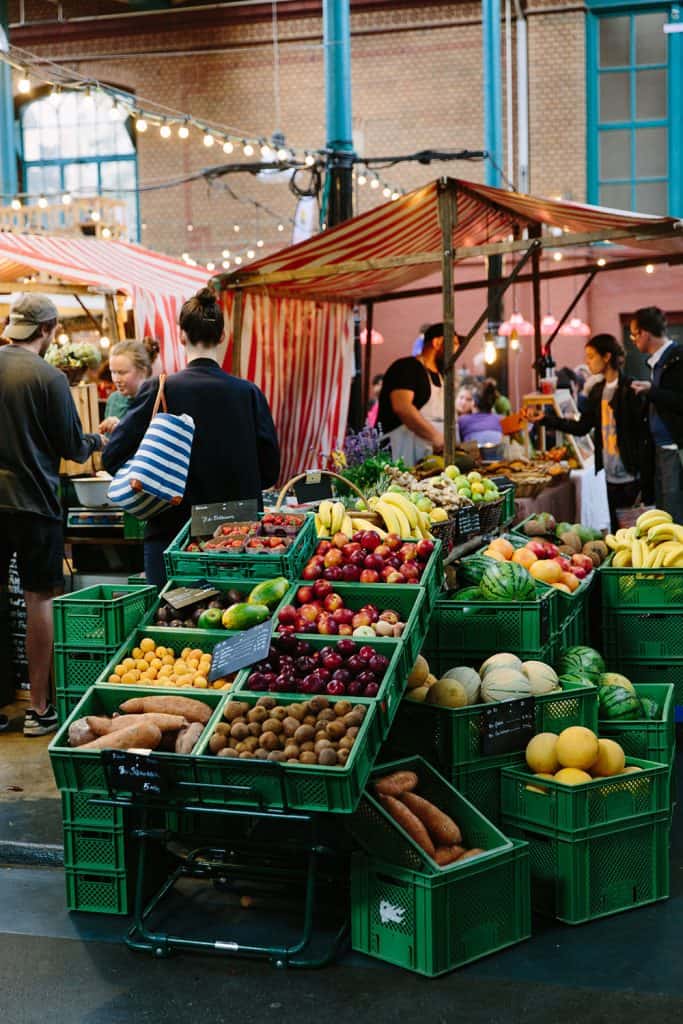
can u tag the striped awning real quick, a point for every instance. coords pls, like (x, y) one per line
(399, 242)
(157, 284)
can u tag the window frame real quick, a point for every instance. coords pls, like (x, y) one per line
(597, 12)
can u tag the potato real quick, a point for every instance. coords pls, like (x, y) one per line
(343, 755)
(187, 738)
(276, 755)
(254, 728)
(279, 712)
(266, 702)
(292, 750)
(323, 745)
(261, 755)
(335, 730)
(318, 703)
(235, 709)
(326, 716)
(342, 707)
(308, 745)
(297, 711)
(396, 783)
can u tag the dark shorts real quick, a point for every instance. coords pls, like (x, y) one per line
(38, 543)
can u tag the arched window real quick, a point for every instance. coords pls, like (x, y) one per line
(79, 143)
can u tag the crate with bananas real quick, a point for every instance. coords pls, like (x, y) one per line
(655, 542)
(389, 513)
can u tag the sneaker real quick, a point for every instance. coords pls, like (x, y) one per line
(40, 725)
(4, 723)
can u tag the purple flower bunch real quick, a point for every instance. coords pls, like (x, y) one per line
(363, 445)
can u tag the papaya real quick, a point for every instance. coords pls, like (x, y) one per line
(269, 592)
(244, 616)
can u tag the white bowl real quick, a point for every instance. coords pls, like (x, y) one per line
(91, 491)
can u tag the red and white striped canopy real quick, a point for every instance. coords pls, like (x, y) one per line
(400, 241)
(157, 284)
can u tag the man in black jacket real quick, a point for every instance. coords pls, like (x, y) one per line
(39, 426)
(664, 392)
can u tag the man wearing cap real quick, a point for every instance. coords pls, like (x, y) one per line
(39, 426)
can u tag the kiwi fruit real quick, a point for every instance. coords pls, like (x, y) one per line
(273, 725)
(327, 756)
(308, 757)
(266, 702)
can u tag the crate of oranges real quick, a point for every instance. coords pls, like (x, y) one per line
(144, 661)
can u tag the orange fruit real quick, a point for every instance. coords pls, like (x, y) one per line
(504, 546)
(524, 557)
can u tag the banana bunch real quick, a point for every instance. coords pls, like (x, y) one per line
(332, 517)
(655, 542)
(401, 516)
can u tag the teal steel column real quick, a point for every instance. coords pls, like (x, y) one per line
(337, 50)
(8, 160)
(493, 117)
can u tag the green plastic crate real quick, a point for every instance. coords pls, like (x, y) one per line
(508, 513)
(100, 616)
(432, 924)
(175, 639)
(95, 849)
(554, 806)
(392, 688)
(605, 871)
(79, 812)
(75, 671)
(215, 565)
(480, 783)
(83, 770)
(138, 579)
(472, 629)
(408, 602)
(447, 737)
(640, 588)
(651, 740)
(98, 892)
(655, 673)
(272, 786)
(380, 836)
(642, 635)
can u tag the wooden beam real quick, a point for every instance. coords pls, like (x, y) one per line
(448, 218)
(237, 310)
(536, 295)
(367, 363)
(49, 288)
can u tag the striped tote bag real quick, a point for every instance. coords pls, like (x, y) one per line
(156, 476)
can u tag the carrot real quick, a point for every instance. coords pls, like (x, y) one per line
(448, 854)
(192, 710)
(441, 828)
(396, 783)
(166, 723)
(409, 823)
(146, 735)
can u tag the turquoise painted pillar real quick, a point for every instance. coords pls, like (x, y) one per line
(493, 116)
(338, 120)
(8, 161)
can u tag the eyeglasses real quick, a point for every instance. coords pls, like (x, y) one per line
(635, 334)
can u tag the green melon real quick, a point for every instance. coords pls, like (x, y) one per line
(618, 703)
(473, 568)
(584, 661)
(507, 581)
(615, 679)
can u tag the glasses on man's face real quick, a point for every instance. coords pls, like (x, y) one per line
(635, 334)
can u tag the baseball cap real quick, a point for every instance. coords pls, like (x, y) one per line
(28, 312)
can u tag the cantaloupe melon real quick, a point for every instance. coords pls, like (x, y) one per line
(469, 679)
(541, 753)
(504, 684)
(418, 673)
(504, 660)
(572, 776)
(447, 693)
(417, 694)
(615, 679)
(630, 769)
(577, 747)
(542, 677)
(611, 759)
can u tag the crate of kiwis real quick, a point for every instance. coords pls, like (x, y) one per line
(289, 753)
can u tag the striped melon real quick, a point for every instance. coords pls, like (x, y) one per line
(504, 684)
(468, 679)
(542, 677)
(503, 660)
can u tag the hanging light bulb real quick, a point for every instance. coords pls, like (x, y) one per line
(395, 195)
(309, 159)
(281, 227)
(489, 349)
(259, 244)
(24, 83)
(374, 183)
(266, 151)
(95, 216)
(226, 264)
(185, 256)
(386, 192)
(226, 254)
(62, 338)
(165, 130)
(236, 228)
(238, 260)
(516, 323)
(183, 130)
(602, 261)
(208, 138)
(210, 265)
(548, 324)
(514, 341)
(104, 341)
(248, 149)
(16, 203)
(42, 202)
(56, 95)
(557, 256)
(228, 146)
(106, 233)
(362, 179)
(66, 199)
(250, 254)
(649, 269)
(140, 124)
(283, 154)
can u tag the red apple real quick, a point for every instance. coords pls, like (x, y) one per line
(308, 613)
(358, 558)
(333, 557)
(395, 577)
(349, 549)
(343, 615)
(288, 615)
(351, 573)
(361, 619)
(389, 616)
(369, 576)
(551, 550)
(583, 561)
(561, 560)
(304, 595)
(392, 541)
(312, 571)
(321, 588)
(537, 547)
(425, 549)
(578, 571)
(323, 547)
(382, 551)
(373, 562)
(340, 540)
(372, 611)
(388, 571)
(410, 572)
(327, 625)
(408, 552)
(371, 540)
(334, 574)
(345, 629)
(332, 602)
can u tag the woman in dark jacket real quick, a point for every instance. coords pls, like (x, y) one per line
(617, 417)
(235, 452)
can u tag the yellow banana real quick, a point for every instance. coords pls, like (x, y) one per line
(320, 527)
(338, 513)
(651, 518)
(678, 563)
(325, 513)
(672, 554)
(636, 555)
(612, 542)
(661, 532)
(622, 559)
(624, 536)
(649, 557)
(404, 505)
(424, 524)
(347, 526)
(394, 518)
(364, 524)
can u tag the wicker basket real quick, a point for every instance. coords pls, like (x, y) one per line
(446, 532)
(489, 515)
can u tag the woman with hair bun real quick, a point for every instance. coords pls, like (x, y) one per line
(618, 420)
(235, 453)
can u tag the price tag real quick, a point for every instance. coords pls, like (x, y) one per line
(507, 727)
(133, 773)
(205, 518)
(183, 597)
(241, 650)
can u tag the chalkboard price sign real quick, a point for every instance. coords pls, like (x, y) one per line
(206, 518)
(507, 727)
(133, 773)
(241, 650)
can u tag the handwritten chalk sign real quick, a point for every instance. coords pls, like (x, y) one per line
(133, 773)
(241, 650)
(507, 727)
(315, 487)
(183, 597)
(206, 518)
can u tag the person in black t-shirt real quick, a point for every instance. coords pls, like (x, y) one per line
(411, 401)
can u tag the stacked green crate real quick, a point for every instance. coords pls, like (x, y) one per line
(95, 855)
(652, 739)
(89, 627)
(596, 848)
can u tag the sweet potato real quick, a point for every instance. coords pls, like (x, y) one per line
(396, 783)
(80, 733)
(146, 736)
(192, 710)
(474, 852)
(445, 855)
(441, 828)
(166, 723)
(187, 738)
(409, 823)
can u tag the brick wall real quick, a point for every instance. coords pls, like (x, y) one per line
(417, 83)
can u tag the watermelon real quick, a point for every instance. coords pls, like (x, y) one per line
(650, 709)
(617, 703)
(507, 581)
(576, 679)
(466, 594)
(583, 661)
(473, 568)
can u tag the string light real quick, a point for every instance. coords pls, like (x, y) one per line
(649, 269)
(225, 264)
(165, 130)
(183, 130)
(283, 154)
(228, 146)
(309, 159)
(236, 228)
(190, 227)
(210, 265)
(250, 254)
(557, 256)
(185, 256)
(395, 195)
(281, 227)
(259, 244)
(362, 179)
(104, 341)
(238, 260)
(386, 192)
(24, 83)
(95, 216)
(248, 149)
(106, 233)
(489, 349)
(514, 340)
(374, 183)
(66, 199)
(42, 202)
(16, 203)
(62, 338)
(602, 262)
(208, 139)
(140, 124)
(266, 152)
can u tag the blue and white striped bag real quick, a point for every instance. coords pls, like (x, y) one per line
(156, 476)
